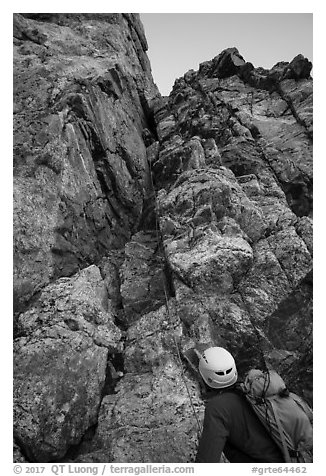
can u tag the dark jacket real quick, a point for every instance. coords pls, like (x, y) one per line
(231, 426)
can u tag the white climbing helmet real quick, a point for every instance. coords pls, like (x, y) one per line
(217, 367)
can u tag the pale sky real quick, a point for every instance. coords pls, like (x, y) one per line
(180, 41)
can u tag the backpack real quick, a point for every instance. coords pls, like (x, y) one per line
(284, 414)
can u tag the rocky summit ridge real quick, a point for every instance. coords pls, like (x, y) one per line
(145, 225)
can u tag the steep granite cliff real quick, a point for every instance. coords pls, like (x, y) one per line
(82, 92)
(145, 226)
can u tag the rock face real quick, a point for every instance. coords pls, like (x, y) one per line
(66, 339)
(147, 225)
(234, 180)
(82, 91)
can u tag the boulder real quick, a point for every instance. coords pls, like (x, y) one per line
(61, 355)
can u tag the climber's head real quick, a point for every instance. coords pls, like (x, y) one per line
(217, 368)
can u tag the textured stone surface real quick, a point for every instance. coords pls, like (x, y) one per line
(149, 416)
(60, 364)
(115, 287)
(82, 88)
(236, 223)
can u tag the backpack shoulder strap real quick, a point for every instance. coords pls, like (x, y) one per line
(281, 433)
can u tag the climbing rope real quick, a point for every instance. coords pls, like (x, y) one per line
(181, 365)
(259, 341)
(179, 358)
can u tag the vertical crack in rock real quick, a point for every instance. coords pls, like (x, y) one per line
(295, 113)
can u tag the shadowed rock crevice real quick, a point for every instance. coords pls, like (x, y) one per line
(300, 197)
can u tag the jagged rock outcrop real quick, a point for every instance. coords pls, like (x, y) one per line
(236, 209)
(146, 225)
(61, 362)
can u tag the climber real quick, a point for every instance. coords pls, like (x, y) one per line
(230, 424)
